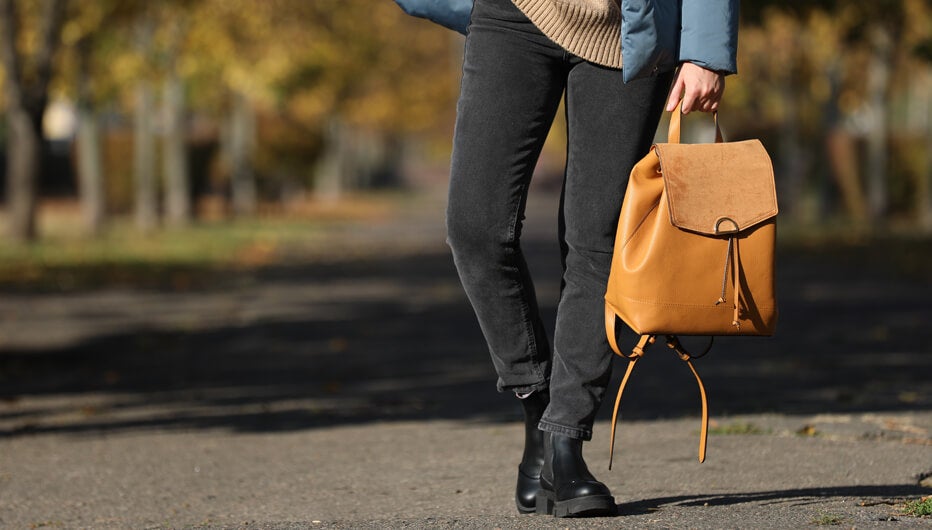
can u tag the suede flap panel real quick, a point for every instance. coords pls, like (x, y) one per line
(718, 188)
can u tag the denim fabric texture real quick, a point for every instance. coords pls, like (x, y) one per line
(513, 80)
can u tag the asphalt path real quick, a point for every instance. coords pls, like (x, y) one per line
(348, 386)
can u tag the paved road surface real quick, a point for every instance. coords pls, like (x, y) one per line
(351, 389)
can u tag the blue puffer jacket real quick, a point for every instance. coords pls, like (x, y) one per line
(656, 35)
(453, 14)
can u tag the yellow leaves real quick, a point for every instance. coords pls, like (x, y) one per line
(800, 61)
(83, 22)
(312, 107)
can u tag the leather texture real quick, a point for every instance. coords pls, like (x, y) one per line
(532, 460)
(669, 265)
(638, 352)
(700, 186)
(568, 488)
(694, 250)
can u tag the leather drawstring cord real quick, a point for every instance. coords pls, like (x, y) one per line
(636, 354)
(638, 351)
(732, 257)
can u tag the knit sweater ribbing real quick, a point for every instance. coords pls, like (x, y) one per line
(590, 29)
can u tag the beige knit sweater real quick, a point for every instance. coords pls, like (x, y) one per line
(590, 29)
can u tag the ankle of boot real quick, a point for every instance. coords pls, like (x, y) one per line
(570, 472)
(534, 406)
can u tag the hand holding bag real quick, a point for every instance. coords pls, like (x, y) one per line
(694, 250)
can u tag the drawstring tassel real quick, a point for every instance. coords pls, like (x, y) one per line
(721, 298)
(736, 264)
(732, 258)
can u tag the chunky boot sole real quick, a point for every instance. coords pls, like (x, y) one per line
(592, 506)
(545, 502)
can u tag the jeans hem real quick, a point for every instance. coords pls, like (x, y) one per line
(572, 432)
(525, 389)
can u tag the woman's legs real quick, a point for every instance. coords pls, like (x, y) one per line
(610, 126)
(513, 80)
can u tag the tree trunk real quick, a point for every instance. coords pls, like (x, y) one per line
(842, 151)
(920, 121)
(90, 171)
(174, 154)
(91, 188)
(24, 165)
(792, 181)
(26, 99)
(144, 160)
(330, 174)
(878, 81)
(241, 149)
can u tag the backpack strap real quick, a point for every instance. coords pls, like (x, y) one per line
(674, 344)
(636, 354)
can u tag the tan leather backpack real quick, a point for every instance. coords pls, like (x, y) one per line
(694, 251)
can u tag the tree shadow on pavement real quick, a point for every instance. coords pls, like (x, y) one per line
(394, 339)
(885, 493)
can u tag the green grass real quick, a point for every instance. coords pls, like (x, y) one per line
(181, 257)
(63, 259)
(738, 428)
(828, 519)
(920, 508)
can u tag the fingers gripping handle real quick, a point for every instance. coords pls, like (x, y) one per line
(673, 131)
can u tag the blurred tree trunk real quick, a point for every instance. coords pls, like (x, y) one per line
(91, 188)
(330, 173)
(26, 99)
(144, 181)
(242, 144)
(144, 160)
(174, 154)
(924, 191)
(919, 115)
(842, 152)
(792, 157)
(878, 82)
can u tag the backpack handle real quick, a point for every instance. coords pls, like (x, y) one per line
(673, 132)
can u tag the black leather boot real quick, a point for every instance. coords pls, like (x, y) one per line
(568, 489)
(533, 458)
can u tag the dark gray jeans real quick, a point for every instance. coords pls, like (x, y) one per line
(513, 80)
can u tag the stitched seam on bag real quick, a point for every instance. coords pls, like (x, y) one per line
(642, 221)
(673, 304)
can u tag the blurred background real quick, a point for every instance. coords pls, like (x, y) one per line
(238, 204)
(170, 112)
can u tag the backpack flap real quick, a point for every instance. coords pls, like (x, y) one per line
(719, 188)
